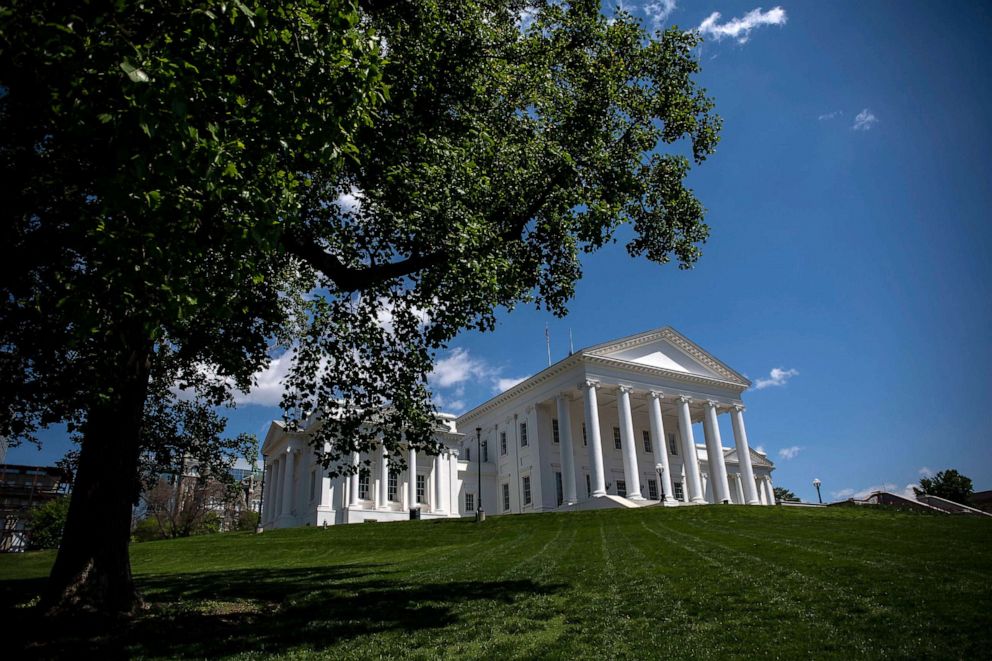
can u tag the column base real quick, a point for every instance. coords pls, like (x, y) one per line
(699, 500)
(635, 497)
(670, 502)
(754, 502)
(598, 494)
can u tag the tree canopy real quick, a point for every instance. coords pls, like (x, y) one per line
(948, 484)
(194, 186)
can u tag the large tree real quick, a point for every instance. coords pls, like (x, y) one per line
(948, 484)
(193, 186)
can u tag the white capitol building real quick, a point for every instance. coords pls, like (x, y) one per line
(609, 426)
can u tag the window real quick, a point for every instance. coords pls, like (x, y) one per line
(672, 445)
(616, 437)
(584, 441)
(527, 490)
(588, 486)
(622, 488)
(469, 502)
(485, 452)
(558, 488)
(555, 434)
(363, 484)
(506, 497)
(523, 434)
(677, 487)
(391, 487)
(646, 435)
(502, 442)
(313, 484)
(468, 454)
(652, 489)
(421, 488)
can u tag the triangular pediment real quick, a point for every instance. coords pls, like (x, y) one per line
(668, 350)
(757, 459)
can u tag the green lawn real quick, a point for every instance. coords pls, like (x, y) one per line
(689, 582)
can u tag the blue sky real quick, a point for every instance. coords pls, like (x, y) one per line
(848, 201)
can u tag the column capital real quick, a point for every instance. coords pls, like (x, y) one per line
(625, 388)
(562, 394)
(655, 394)
(454, 452)
(738, 407)
(585, 384)
(685, 399)
(712, 403)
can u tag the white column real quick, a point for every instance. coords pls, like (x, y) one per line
(658, 444)
(707, 487)
(267, 492)
(567, 454)
(278, 466)
(438, 487)
(356, 459)
(384, 478)
(454, 505)
(695, 490)
(288, 483)
(714, 451)
(631, 472)
(771, 490)
(412, 478)
(762, 494)
(592, 435)
(739, 487)
(685, 485)
(326, 488)
(744, 456)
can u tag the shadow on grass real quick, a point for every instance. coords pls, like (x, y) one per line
(272, 610)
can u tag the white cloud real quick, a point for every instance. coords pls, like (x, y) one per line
(460, 368)
(926, 471)
(457, 368)
(503, 385)
(789, 453)
(761, 449)
(739, 29)
(658, 11)
(351, 201)
(843, 494)
(891, 487)
(777, 377)
(864, 120)
(829, 115)
(269, 384)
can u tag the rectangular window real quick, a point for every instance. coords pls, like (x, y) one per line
(616, 437)
(584, 440)
(558, 489)
(502, 442)
(421, 487)
(588, 486)
(506, 497)
(555, 434)
(653, 489)
(485, 452)
(363, 484)
(672, 445)
(677, 487)
(523, 434)
(313, 484)
(469, 502)
(391, 487)
(468, 454)
(646, 435)
(622, 488)
(527, 490)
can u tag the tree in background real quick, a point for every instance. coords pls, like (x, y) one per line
(783, 494)
(948, 484)
(191, 187)
(46, 522)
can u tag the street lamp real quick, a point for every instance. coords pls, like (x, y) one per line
(816, 483)
(480, 513)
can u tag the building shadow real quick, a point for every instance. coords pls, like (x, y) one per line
(267, 611)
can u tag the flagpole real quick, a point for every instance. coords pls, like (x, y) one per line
(547, 337)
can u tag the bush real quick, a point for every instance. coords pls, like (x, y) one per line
(247, 521)
(147, 530)
(46, 522)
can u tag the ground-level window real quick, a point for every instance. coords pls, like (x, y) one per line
(555, 434)
(363, 484)
(558, 488)
(584, 440)
(672, 445)
(653, 489)
(527, 490)
(622, 488)
(588, 486)
(506, 497)
(313, 484)
(391, 486)
(677, 487)
(485, 451)
(646, 435)
(616, 437)
(469, 502)
(468, 454)
(523, 434)
(421, 487)
(502, 442)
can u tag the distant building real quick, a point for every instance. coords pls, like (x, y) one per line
(609, 426)
(23, 488)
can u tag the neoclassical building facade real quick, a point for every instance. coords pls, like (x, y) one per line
(613, 425)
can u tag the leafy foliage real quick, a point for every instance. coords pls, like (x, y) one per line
(46, 523)
(948, 484)
(783, 494)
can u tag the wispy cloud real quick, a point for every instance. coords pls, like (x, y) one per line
(861, 494)
(830, 115)
(777, 377)
(739, 29)
(926, 471)
(864, 120)
(460, 369)
(760, 448)
(269, 383)
(457, 368)
(789, 453)
(658, 11)
(503, 385)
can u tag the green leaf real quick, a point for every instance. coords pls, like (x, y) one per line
(134, 73)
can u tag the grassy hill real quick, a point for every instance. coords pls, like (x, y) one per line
(711, 582)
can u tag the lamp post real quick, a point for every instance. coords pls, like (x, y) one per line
(661, 481)
(480, 513)
(816, 483)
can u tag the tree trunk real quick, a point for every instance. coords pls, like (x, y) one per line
(92, 572)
